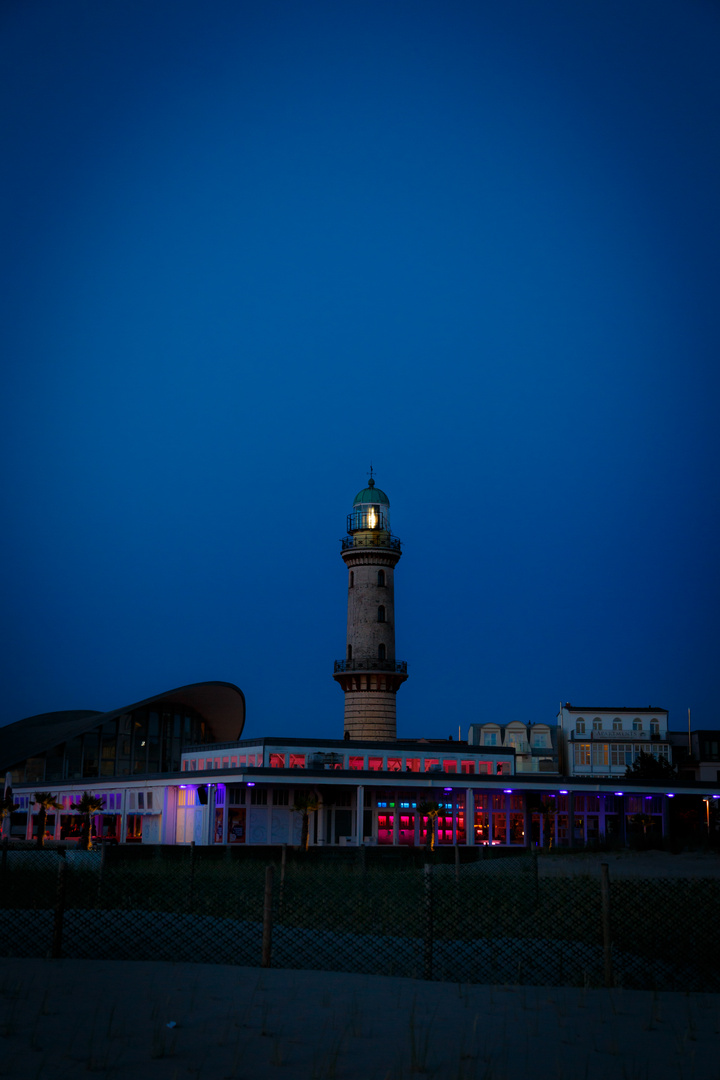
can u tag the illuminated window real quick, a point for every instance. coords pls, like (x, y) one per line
(394, 764)
(356, 763)
(600, 754)
(582, 753)
(468, 767)
(297, 761)
(277, 761)
(412, 764)
(375, 763)
(381, 613)
(432, 765)
(450, 765)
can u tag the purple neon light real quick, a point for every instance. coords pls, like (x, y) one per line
(251, 783)
(563, 792)
(670, 795)
(508, 790)
(447, 789)
(619, 793)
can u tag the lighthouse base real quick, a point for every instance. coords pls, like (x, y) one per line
(370, 714)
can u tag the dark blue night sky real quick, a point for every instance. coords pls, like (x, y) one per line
(249, 248)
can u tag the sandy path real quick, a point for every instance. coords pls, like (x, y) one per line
(633, 864)
(65, 1019)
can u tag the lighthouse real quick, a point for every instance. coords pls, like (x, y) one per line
(369, 674)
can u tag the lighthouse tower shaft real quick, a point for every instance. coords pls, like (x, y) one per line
(370, 674)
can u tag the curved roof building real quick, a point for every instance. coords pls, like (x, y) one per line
(148, 736)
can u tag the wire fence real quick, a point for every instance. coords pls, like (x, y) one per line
(494, 920)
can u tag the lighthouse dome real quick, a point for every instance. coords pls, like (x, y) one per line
(371, 494)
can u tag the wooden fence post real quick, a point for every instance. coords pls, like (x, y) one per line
(428, 949)
(607, 940)
(101, 873)
(56, 951)
(267, 919)
(191, 886)
(283, 859)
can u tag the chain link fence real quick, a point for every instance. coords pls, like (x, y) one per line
(493, 920)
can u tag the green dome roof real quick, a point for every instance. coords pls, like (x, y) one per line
(371, 494)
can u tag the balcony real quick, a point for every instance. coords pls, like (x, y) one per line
(370, 539)
(609, 735)
(371, 663)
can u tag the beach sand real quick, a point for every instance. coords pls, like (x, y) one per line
(70, 1018)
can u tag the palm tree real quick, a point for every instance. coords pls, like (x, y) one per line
(7, 807)
(306, 803)
(644, 820)
(429, 810)
(547, 809)
(87, 806)
(46, 801)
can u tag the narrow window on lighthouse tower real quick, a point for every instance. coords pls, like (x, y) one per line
(381, 651)
(381, 614)
(352, 578)
(349, 655)
(381, 577)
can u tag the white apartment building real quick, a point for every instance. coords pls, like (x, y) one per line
(600, 741)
